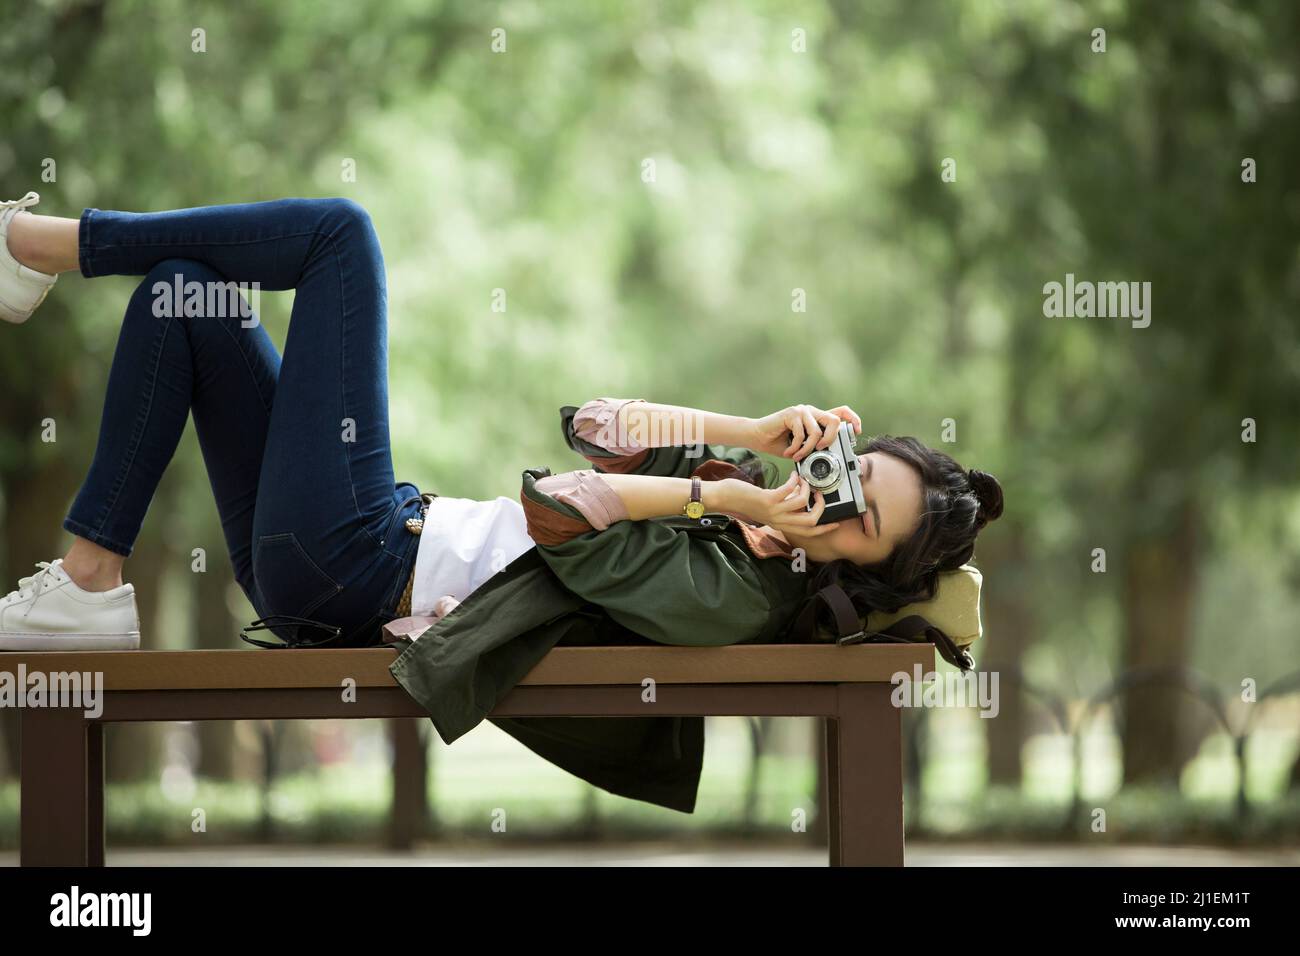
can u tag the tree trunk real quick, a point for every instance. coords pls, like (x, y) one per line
(214, 628)
(35, 502)
(1008, 632)
(1159, 584)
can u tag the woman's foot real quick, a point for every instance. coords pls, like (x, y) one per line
(22, 288)
(50, 612)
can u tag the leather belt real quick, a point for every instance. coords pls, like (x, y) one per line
(404, 605)
(416, 527)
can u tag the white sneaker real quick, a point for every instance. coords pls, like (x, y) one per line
(21, 289)
(49, 612)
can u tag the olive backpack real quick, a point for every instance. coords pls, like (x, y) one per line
(950, 620)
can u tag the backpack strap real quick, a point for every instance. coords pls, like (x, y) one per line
(848, 626)
(913, 629)
(916, 629)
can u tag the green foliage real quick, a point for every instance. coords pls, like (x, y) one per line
(775, 170)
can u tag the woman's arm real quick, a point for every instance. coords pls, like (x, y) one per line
(791, 432)
(784, 507)
(614, 435)
(644, 424)
(605, 499)
(600, 433)
(653, 496)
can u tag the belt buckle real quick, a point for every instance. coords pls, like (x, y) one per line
(416, 525)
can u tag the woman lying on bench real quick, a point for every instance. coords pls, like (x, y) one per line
(297, 452)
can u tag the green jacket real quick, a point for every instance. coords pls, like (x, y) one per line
(665, 580)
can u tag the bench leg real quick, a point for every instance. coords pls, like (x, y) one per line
(56, 795)
(410, 814)
(864, 778)
(94, 794)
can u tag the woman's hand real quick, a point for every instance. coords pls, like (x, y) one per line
(444, 606)
(795, 431)
(784, 508)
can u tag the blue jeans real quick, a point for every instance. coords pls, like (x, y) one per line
(297, 451)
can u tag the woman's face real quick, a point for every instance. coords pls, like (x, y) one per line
(892, 490)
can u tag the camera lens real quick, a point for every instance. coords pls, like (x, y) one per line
(821, 470)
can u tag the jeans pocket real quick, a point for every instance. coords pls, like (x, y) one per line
(289, 581)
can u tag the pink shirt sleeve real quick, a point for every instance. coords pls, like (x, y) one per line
(597, 422)
(589, 493)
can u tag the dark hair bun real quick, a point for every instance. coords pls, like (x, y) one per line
(988, 492)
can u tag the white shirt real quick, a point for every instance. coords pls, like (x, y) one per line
(464, 543)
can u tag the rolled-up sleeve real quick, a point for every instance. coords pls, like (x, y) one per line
(592, 431)
(662, 582)
(586, 492)
(596, 422)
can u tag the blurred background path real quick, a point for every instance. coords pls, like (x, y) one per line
(672, 854)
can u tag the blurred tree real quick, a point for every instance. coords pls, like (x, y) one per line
(740, 206)
(1147, 143)
(113, 103)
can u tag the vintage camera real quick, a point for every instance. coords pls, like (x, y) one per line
(834, 472)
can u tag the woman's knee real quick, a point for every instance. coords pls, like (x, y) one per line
(346, 218)
(347, 211)
(172, 271)
(188, 289)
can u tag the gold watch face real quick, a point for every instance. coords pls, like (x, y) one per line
(694, 509)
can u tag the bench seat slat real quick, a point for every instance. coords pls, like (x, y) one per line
(733, 664)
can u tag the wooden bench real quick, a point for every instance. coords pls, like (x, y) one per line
(62, 789)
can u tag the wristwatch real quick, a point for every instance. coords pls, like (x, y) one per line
(695, 507)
